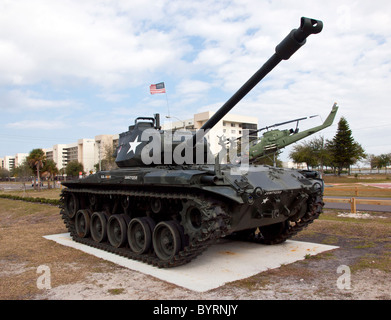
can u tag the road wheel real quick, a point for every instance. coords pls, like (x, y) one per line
(140, 234)
(166, 240)
(98, 226)
(117, 230)
(71, 205)
(82, 223)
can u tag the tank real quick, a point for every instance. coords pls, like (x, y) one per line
(170, 198)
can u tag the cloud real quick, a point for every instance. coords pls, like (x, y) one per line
(67, 58)
(113, 97)
(37, 125)
(29, 100)
(188, 87)
(58, 41)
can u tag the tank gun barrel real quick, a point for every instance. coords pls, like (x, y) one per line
(292, 42)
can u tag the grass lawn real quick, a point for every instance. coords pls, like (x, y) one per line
(364, 245)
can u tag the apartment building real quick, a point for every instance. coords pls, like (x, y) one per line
(86, 151)
(231, 127)
(11, 162)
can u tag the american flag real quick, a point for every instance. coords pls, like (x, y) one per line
(157, 88)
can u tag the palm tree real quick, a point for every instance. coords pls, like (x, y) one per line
(36, 160)
(51, 169)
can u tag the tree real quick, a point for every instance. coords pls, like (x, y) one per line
(343, 149)
(320, 152)
(36, 160)
(50, 168)
(384, 160)
(108, 161)
(23, 171)
(373, 161)
(73, 168)
(270, 160)
(304, 153)
(4, 174)
(378, 162)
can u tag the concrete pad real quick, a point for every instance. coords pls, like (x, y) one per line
(221, 263)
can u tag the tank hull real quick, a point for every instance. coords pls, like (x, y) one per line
(166, 217)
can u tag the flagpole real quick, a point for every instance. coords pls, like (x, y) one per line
(160, 88)
(168, 106)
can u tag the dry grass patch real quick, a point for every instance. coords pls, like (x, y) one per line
(373, 261)
(373, 178)
(23, 249)
(377, 229)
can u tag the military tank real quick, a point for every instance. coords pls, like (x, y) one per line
(164, 208)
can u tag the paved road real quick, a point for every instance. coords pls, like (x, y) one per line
(360, 207)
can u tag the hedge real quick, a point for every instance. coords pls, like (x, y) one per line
(31, 199)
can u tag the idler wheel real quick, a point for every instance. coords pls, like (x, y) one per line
(82, 223)
(166, 240)
(98, 226)
(117, 230)
(140, 234)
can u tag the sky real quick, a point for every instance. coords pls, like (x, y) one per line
(73, 69)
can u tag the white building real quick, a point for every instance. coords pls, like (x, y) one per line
(231, 126)
(11, 162)
(8, 163)
(19, 158)
(294, 165)
(105, 143)
(86, 151)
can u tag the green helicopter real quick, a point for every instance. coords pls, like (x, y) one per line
(274, 140)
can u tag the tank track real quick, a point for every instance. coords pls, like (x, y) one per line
(315, 206)
(214, 224)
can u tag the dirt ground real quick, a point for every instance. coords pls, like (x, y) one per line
(359, 269)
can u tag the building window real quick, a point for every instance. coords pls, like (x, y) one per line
(232, 124)
(252, 127)
(233, 131)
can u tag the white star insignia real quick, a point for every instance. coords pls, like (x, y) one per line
(133, 145)
(265, 200)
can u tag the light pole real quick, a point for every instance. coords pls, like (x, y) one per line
(183, 122)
